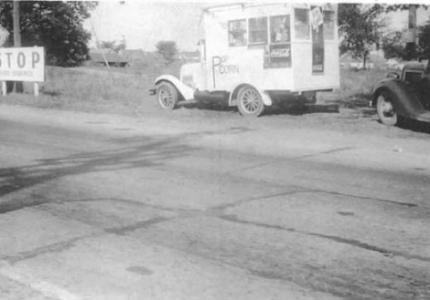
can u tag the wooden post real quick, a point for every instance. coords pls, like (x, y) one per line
(18, 86)
(36, 89)
(412, 23)
(16, 28)
(3, 88)
(411, 44)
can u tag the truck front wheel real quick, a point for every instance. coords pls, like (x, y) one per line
(249, 102)
(167, 95)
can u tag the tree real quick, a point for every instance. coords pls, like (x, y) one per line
(424, 40)
(393, 45)
(167, 49)
(56, 25)
(115, 46)
(411, 51)
(358, 27)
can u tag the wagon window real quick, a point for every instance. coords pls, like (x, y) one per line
(280, 29)
(258, 30)
(237, 33)
(329, 25)
(278, 53)
(301, 23)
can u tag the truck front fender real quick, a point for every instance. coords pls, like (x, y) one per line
(186, 91)
(404, 98)
(233, 95)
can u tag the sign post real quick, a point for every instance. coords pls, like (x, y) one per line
(4, 34)
(22, 64)
(3, 88)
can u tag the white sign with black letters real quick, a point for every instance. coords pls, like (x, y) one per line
(22, 64)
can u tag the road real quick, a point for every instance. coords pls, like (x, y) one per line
(102, 207)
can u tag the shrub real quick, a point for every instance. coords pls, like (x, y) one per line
(167, 49)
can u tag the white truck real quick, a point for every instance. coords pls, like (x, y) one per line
(256, 54)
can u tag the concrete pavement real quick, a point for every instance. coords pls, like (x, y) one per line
(105, 207)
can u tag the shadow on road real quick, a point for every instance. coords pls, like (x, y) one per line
(414, 125)
(146, 152)
(298, 110)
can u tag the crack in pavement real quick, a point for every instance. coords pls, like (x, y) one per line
(139, 225)
(218, 210)
(407, 204)
(123, 230)
(67, 244)
(352, 242)
(269, 162)
(136, 203)
(51, 248)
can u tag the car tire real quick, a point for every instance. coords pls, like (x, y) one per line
(249, 102)
(167, 95)
(386, 109)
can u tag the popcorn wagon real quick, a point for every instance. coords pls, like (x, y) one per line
(255, 54)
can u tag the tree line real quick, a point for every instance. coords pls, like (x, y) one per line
(55, 25)
(362, 27)
(58, 26)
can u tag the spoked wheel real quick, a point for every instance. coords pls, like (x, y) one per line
(385, 108)
(167, 95)
(250, 102)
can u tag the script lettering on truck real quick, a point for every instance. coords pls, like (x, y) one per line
(22, 64)
(221, 66)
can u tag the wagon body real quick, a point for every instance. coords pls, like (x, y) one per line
(277, 50)
(273, 47)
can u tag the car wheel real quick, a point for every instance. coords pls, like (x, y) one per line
(249, 102)
(385, 108)
(167, 95)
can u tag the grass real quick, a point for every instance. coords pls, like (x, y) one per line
(356, 87)
(125, 90)
(96, 88)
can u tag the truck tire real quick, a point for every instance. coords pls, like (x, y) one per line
(249, 102)
(386, 109)
(167, 95)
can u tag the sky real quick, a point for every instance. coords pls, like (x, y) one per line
(143, 23)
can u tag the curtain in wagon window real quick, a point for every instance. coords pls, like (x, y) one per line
(317, 40)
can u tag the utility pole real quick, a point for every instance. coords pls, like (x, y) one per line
(16, 28)
(18, 87)
(411, 45)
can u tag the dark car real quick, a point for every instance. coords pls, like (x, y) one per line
(405, 95)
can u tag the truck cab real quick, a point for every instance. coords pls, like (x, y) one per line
(255, 54)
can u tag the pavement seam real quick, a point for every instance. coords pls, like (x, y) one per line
(351, 242)
(293, 158)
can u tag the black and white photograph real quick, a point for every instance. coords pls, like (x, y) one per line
(214, 150)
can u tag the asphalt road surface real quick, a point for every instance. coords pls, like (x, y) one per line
(97, 207)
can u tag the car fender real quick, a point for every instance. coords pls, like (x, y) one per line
(233, 95)
(405, 100)
(186, 91)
